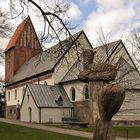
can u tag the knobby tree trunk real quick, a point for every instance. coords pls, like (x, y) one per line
(95, 88)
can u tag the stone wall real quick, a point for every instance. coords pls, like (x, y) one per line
(11, 112)
(81, 111)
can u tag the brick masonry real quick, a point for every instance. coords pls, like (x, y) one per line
(25, 47)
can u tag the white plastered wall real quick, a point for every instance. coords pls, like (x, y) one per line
(69, 59)
(120, 52)
(130, 109)
(54, 115)
(25, 109)
(12, 100)
(20, 91)
(78, 86)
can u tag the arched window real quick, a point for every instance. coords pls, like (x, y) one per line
(45, 83)
(9, 96)
(73, 94)
(15, 94)
(86, 93)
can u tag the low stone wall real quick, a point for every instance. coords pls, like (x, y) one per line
(126, 122)
(81, 110)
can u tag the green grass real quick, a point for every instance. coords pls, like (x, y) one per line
(133, 132)
(14, 132)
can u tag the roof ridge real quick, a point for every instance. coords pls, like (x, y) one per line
(117, 41)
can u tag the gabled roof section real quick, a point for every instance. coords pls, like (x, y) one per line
(99, 57)
(47, 95)
(17, 34)
(127, 76)
(41, 63)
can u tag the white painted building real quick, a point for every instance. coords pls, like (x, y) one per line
(45, 104)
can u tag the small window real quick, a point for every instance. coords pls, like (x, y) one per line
(73, 94)
(10, 111)
(25, 35)
(59, 101)
(86, 93)
(15, 94)
(32, 40)
(21, 41)
(15, 111)
(29, 32)
(28, 96)
(45, 83)
(9, 96)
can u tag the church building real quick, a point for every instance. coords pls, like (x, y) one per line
(43, 86)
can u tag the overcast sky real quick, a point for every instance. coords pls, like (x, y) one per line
(116, 17)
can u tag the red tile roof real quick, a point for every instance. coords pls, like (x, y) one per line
(16, 35)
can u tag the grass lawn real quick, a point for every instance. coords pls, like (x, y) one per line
(133, 132)
(14, 132)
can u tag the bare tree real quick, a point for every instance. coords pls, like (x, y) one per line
(134, 42)
(5, 26)
(56, 25)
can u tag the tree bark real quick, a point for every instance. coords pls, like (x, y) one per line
(103, 131)
(95, 88)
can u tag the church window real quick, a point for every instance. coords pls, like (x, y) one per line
(45, 83)
(10, 111)
(32, 40)
(73, 94)
(85, 91)
(29, 32)
(25, 38)
(28, 96)
(9, 96)
(15, 94)
(21, 41)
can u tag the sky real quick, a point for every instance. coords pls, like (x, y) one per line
(117, 18)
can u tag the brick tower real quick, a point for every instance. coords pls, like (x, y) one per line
(23, 45)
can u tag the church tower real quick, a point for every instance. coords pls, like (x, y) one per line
(23, 45)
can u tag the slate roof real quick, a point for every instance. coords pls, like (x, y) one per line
(127, 75)
(47, 95)
(130, 78)
(99, 57)
(43, 62)
(16, 35)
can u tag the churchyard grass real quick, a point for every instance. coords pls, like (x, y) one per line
(14, 132)
(120, 131)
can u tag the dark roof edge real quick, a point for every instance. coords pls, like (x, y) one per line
(77, 58)
(27, 87)
(73, 80)
(47, 70)
(87, 39)
(130, 57)
(68, 49)
(29, 78)
(55, 107)
(9, 49)
(116, 46)
(33, 97)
